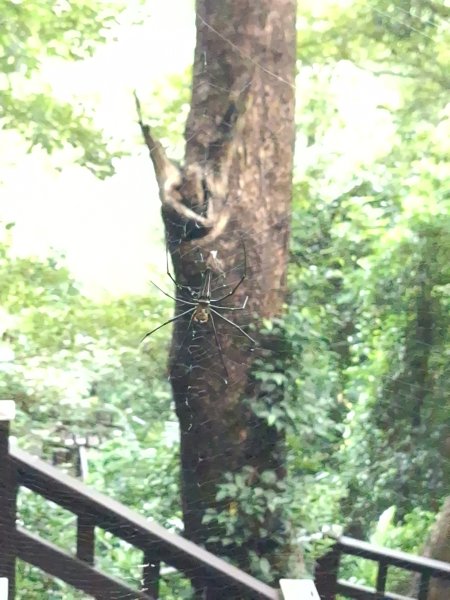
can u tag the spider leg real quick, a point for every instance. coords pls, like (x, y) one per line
(177, 285)
(172, 297)
(186, 312)
(214, 305)
(233, 324)
(232, 291)
(219, 347)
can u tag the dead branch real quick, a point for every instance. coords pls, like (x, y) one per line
(169, 177)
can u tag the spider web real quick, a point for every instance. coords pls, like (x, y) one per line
(223, 340)
(202, 350)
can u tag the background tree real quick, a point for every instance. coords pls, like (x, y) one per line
(232, 195)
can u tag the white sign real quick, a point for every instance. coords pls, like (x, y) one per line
(3, 588)
(7, 413)
(299, 589)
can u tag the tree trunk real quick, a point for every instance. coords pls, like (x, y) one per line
(232, 195)
(438, 547)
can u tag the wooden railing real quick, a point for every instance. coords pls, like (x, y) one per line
(93, 510)
(329, 584)
(214, 576)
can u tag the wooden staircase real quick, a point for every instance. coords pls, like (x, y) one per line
(94, 510)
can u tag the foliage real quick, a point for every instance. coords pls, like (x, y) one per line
(31, 34)
(407, 535)
(165, 112)
(252, 507)
(79, 378)
(369, 269)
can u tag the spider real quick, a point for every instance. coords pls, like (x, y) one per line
(203, 307)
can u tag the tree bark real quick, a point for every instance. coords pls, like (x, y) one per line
(438, 547)
(232, 195)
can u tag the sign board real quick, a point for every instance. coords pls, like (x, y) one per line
(299, 589)
(3, 588)
(7, 413)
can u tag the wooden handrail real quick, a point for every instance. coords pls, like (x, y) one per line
(106, 513)
(395, 558)
(329, 584)
(48, 557)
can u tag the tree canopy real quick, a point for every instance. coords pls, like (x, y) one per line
(31, 33)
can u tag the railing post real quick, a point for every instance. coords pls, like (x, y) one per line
(326, 573)
(86, 539)
(381, 577)
(150, 575)
(424, 586)
(8, 497)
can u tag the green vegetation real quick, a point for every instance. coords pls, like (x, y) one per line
(32, 32)
(362, 354)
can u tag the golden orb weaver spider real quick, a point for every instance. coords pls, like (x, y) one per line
(203, 307)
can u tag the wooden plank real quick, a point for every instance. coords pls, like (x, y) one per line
(55, 562)
(108, 514)
(8, 499)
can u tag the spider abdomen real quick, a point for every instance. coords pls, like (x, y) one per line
(201, 313)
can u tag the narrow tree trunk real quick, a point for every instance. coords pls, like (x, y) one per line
(231, 196)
